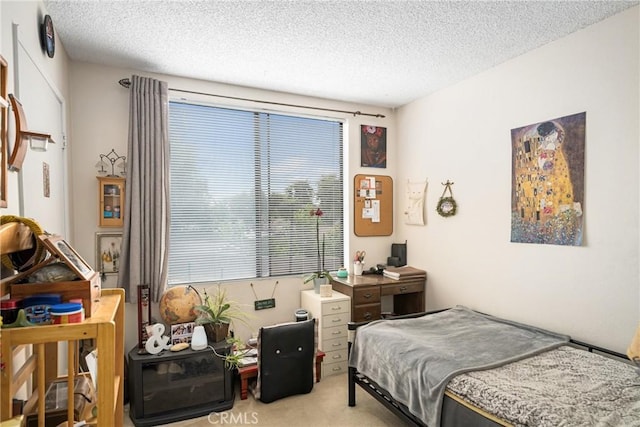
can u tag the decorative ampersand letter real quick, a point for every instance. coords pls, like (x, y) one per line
(157, 342)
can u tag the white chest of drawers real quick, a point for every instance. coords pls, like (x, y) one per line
(332, 315)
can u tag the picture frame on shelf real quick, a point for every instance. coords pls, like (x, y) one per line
(108, 246)
(63, 250)
(182, 332)
(144, 314)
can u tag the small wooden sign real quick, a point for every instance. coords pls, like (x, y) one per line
(264, 303)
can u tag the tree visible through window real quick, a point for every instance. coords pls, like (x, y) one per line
(243, 185)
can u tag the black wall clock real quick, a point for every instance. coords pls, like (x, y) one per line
(47, 37)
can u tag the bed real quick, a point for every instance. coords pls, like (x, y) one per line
(459, 367)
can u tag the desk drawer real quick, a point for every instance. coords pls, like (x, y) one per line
(334, 332)
(335, 356)
(335, 320)
(334, 368)
(335, 307)
(366, 295)
(366, 312)
(329, 345)
(402, 288)
(335, 362)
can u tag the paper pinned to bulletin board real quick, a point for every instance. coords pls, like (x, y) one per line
(373, 205)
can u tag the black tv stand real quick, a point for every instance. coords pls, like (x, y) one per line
(174, 386)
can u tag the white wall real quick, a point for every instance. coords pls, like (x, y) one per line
(37, 72)
(42, 83)
(462, 133)
(99, 112)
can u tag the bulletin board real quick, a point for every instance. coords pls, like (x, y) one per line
(373, 205)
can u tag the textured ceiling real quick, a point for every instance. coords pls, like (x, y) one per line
(384, 53)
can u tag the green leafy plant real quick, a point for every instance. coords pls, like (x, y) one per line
(219, 309)
(238, 351)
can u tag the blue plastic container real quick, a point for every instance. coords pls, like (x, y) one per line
(37, 307)
(68, 312)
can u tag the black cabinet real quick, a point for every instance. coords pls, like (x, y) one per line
(173, 386)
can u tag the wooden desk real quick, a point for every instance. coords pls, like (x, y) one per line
(366, 293)
(251, 371)
(106, 326)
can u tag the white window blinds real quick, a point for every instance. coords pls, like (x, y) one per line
(243, 184)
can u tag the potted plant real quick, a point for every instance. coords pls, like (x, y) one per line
(239, 351)
(320, 276)
(217, 312)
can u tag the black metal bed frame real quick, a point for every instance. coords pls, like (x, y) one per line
(400, 410)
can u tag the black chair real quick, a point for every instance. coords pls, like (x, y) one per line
(286, 360)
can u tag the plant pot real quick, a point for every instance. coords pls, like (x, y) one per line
(317, 281)
(216, 332)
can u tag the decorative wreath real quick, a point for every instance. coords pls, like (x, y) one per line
(446, 205)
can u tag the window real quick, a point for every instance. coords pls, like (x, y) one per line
(243, 184)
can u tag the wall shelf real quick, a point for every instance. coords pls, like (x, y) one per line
(111, 201)
(23, 135)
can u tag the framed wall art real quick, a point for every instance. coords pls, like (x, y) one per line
(108, 252)
(547, 181)
(46, 180)
(373, 146)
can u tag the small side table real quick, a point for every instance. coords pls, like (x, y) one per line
(251, 371)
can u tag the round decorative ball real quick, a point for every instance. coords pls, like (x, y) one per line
(176, 304)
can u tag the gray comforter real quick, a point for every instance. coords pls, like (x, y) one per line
(562, 387)
(414, 359)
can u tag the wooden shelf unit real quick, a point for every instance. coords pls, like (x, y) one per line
(105, 326)
(111, 201)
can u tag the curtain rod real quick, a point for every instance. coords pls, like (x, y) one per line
(127, 84)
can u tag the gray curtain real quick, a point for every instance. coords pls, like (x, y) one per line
(146, 216)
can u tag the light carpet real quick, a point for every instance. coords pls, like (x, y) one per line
(325, 405)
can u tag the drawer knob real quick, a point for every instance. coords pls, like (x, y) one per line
(337, 356)
(368, 295)
(403, 288)
(336, 333)
(337, 320)
(337, 344)
(336, 308)
(337, 368)
(367, 315)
